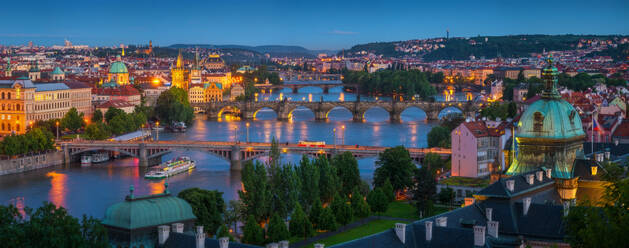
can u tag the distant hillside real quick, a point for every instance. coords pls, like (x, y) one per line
(272, 50)
(481, 46)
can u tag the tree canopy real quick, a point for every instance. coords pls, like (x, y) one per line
(173, 106)
(207, 205)
(72, 120)
(396, 165)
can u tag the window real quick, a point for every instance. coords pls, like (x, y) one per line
(2, 95)
(9, 95)
(538, 122)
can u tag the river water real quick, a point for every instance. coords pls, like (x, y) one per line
(90, 190)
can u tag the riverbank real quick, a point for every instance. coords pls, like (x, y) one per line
(30, 162)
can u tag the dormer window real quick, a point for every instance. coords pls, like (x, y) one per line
(538, 122)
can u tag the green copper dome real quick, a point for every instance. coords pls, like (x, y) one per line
(549, 133)
(57, 71)
(118, 66)
(148, 211)
(550, 119)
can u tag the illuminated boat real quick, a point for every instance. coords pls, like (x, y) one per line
(170, 168)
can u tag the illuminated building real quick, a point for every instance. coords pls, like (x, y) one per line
(213, 92)
(195, 72)
(178, 74)
(196, 93)
(148, 50)
(23, 102)
(236, 91)
(214, 62)
(118, 72)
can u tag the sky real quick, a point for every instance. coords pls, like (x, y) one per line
(322, 24)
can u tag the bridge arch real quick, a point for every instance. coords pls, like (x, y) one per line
(291, 111)
(375, 110)
(413, 113)
(265, 109)
(104, 148)
(227, 108)
(342, 109)
(449, 110)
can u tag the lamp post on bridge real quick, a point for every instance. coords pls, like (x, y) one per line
(334, 137)
(157, 130)
(57, 124)
(343, 135)
(247, 132)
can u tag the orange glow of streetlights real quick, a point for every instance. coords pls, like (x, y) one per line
(155, 81)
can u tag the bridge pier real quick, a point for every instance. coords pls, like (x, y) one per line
(432, 115)
(395, 117)
(235, 160)
(66, 154)
(142, 155)
(326, 89)
(295, 90)
(358, 117)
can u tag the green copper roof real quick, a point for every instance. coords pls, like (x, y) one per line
(57, 71)
(148, 211)
(118, 67)
(550, 118)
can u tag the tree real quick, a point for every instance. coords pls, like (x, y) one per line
(49, 226)
(439, 137)
(300, 225)
(256, 196)
(327, 220)
(72, 120)
(315, 213)
(347, 170)
(96, 131)
(446, 195)
(172, 106)
(378, 202)
(309, 175)
(452, 120)
(277, 229)
(97, 116)
(112, 112)
(602, 223)
(396, 165)
(424, 191)
(433, 161)
(284, 188)
(207, 205)
(328, 179)
(274, 154)
(253, 233)
(341, 209)
(360, 209)
(387, 189)
(223, 231)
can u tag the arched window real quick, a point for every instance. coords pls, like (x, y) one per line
(17, 127)
(3, 106)
(3, 126)
(8, 126)
(17, 107)
(538, 122)
(9, 95)
(2, 95)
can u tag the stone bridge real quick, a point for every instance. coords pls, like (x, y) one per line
(234, 152)
(325, 86)
(284, 109)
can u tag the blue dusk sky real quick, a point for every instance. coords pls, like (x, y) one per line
(319, 24)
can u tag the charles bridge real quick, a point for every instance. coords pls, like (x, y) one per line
(321, 109)
(234, 152)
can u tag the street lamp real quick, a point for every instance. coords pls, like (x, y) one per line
(334, 134)
(343, 135)
(57, 124)
(247, 132)
(157, 130)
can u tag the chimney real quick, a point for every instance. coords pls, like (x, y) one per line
(223, 242)
(607, 154)
(539, 175)
(530, 179)
(526, 203)
(162, 234)
(400, 231)
(479, 236)
(488, 212)
(492, 228)
(441, 221)
(468, 201)
(271, 245)
(566, 208)
(549, 173)
(177, 227)
(510, 185)
(319, 245)
(284, 244)
(428, 230)
(200, 236)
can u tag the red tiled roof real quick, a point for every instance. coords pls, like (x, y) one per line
(622, 130)
(125, 90)
(115, 103)
(479, 129)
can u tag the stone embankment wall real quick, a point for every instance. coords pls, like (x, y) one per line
(30, 162)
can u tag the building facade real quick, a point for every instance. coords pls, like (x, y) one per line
(475, 149)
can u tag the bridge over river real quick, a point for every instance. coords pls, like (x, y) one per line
(321, 109)
(234, 152)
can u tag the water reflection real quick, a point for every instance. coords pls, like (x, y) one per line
(57, 192)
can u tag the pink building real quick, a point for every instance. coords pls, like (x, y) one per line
(477, 148)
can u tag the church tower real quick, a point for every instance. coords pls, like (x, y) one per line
(34, 74)
(195, 72)
(178, 73)
(7, 70)
(550, 135)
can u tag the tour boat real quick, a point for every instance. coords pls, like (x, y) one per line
(170, 168)
(178, 127)
(86, 160)
(100, 157)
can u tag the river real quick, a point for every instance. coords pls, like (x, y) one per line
(90, 190)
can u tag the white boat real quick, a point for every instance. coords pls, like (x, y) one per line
(86, 160)
(100, 157)
(170, 168)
